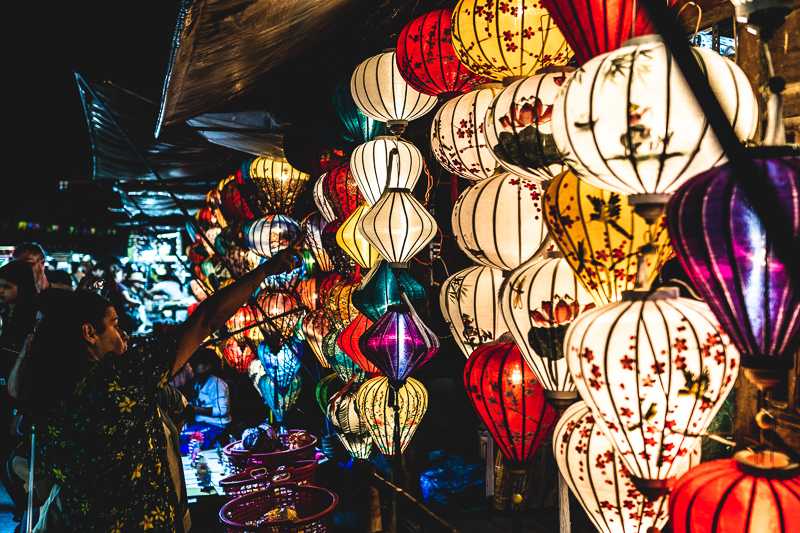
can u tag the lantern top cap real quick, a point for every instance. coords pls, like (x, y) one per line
(766, 463)
(398, 189)
(662, 293)
(643, 39)
(387, 138)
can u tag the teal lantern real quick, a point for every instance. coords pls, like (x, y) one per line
(359, 128)
(282, 366)
(382, 288)
(340, 362)
(279, 402)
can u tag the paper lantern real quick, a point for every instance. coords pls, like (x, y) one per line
(340, 188)
(326, 387)
(398, 343)
(350, 239)
(281, 366)
(279, 403)
(498, 222)
(600, 237)
(754, 491)
(312, 227)
(538, 301)
(731, 261)
(384, 408)
(655, 369)
(380, 92)
(369, 164)
(382, 287)
(359, 127)
(237, 356)
(322, 202)
(506, 39)
(340, 362)
(269, 235)
(599, 480)
(519, 127)
(315, 326)
(350, 426)
(246, 316)
(628, 122)
(338, 303)
(342, 262)
(348, 342)
(281, 308)
(468, 300)
(508, 400)
(279, 182)
(398, 226)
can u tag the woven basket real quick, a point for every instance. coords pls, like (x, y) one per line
(240, 459)
(259, 478)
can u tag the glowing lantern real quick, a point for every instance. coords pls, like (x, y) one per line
(306, 290)
(498, 222)
(351, 429)
(458, 137)
(322, 202)
(280, 307)
(506, 39)
(280, 183)
(281, 366)
(655, 369)
(237, 356)
(382, 287)
(539, 300)
(600, 237)
(340, 188)
(241, 260)
(342, 262)
(325, 389)
(245, 317)
(279, 402)
(340, 362)
(359, 127)
(234, 201)
(369, 165)
(338, 303)
(384, 408)
(468, 300)
(255, 370)
(731, 261)
(269, 235)
(315, 326)
(381, 93)
(628, 122)
(350, 239)
(519, 129)
(348, 342)
(754, 491)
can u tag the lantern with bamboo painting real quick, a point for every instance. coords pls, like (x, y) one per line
(348, 341)
(238, 356)
(385, 408)
(282, 310)
(279, 183)
(351, 428)
(312, 227)
(315, 326)
(354, 244)
(383, 287)
(269, 235)
(321, 201)
(369, 165)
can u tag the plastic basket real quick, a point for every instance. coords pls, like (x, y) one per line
(313, 504)
(241, 459)
(259, 478)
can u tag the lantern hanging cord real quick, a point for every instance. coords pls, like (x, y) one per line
(699, 16)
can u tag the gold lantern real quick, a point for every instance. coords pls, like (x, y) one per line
(279, 181)
(280, 307)
(315, 326)
(350, 239)
(384, 408)
(338, 304)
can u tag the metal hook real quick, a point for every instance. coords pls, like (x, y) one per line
(699, 16)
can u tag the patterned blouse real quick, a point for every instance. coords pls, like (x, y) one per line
(106, 446)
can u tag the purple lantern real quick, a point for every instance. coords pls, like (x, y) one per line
(723, 246)
(399, 342)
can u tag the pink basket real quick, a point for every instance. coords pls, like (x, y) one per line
(313, 504)
(241, 459)
(260, 478)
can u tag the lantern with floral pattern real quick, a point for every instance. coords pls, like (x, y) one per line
(385, 408)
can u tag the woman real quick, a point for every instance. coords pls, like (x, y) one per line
(99, 435)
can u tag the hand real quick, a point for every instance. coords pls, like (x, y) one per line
(285, 260)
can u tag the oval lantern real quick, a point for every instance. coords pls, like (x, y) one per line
(380, 92)
(354, 244)
(380, 405)
(281, 366)
(655, 369)
(237, 356)
(600, 237)
(326, 387)
(342, 263)
(279, 402)
(340, 188)
(508, 39)
(340, 362)
(382, 287)
(468, 300)
(281, 308)
(312, 227)
(369, 165)
(359, 128)
(279, 182)
(245, 317)
(348, 341)
(498, 222)
(338, 303)
(458, 137)
(269, 235)
(321, 201)
(352, 430)
(315, 326)
(519, 127)
(732, 262)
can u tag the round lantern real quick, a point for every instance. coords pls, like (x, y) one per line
(315, 326)
(350, 426)
(269, 235)
(359, 128)
(468, 300)
(628, 122)
(340, 362)
(381, 93)
(281, 308)
(398, 343)
(731, 261)
(508, 399)
(279, 182)
(398, 226)
(458, 137)
(655, 369)
(340, 188)
(348, 341)
(383, 287)
(538, 301)
(326, 387)
(245, 317)
(240, 260)
(498, 222)
(369, 165)
(237, 356)
(322, 202)
(754, 491)
(519, 127)
(385, 408)
(282, 366)
(338, 303)
(342, 263)
(601, 237)
(279, 403)
(506, 39)
(350, 239)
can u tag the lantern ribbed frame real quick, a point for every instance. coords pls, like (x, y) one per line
(280, 307)
(326, 387)
(359, 128)
(281, 403)
(354, 244)
(348, 341)
(369, 163)
(269, 235)
(340, 362)
(283, 365)
(375, 404)
(382, 287)
(312, 228)
(238, 356)
(351, 429)
(340, 187)
(280, 183)
(243, 317)
(321, 200)
(315, 326)
(338, 303)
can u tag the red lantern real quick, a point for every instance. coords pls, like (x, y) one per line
(237, 356)
(754, 491)
(341, 189)
(509, 400)
(426, 58)
(245, 316)
(348, 342)
(234, 203)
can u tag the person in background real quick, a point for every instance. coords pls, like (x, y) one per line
(210, 403)
(59, 279)
(126, 304)
(32, 253)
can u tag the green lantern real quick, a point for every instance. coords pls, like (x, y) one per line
(327, 387)
(340, 362)
(382, 288)
(279, 402)
(359, 128)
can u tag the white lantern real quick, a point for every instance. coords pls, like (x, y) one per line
(369, 163)
(352, 430)
(322, 202)
(519, 127)
(628, 122)
(600, 481)
(269, 235)
(354, 244)
(458, 138)
(468, 300)
(498, 222)
(381, 93)
(539, 300)
(655, 369)
(398, 226)
(312, 238)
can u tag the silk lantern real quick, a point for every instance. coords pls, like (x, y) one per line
(340, 362)
(321, 201)
(245, 317)
(282, 310)
(458, 136)
(732, 262)
(269, 235)
(315, 326)
(398, 226)
(282, 366)
(350, 427)
(240, 260)
(312, 228)
(601, 237)
(350, 239)
(338, 303)
(348, 341)
(326, 387)
(754, 491)
(359, 128)
(381, 93)
(279, 182)
(342, 262)
(385, 408)
(498, 222)
(468, 301)
(655, 369)
(383, 287)
(340, 188)
(306, 291)
(369, 165)
(234, 204)
(279, 402)
(507, 39)
(628, 122)
(237, 356)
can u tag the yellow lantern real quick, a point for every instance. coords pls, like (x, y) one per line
(382, 407)
(315, 326)
(350, 239)
(338, 304)
(506, 39)
(280, 182)
(601, 236)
